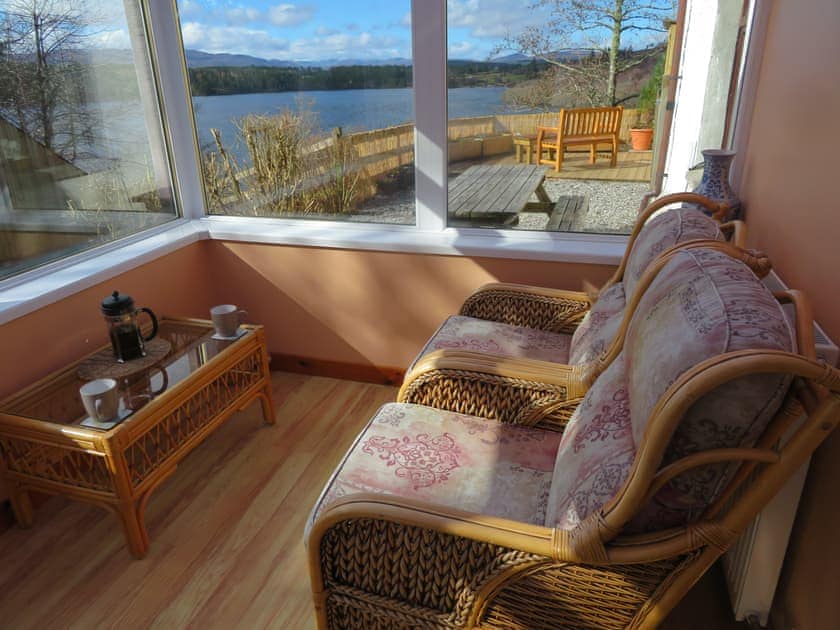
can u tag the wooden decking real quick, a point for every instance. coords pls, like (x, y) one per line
(632, 166)
(226, 529)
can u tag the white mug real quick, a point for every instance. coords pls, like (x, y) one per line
(226, 319)
(100, 399)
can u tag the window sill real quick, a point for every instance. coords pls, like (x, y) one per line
(51, 283)
(599, 249)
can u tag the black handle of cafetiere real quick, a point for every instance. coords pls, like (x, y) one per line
(154, 323)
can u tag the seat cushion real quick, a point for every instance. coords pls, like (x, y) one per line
(599, 326)
(444, 458)
(702, 304)
(469, 333)
(677, 225)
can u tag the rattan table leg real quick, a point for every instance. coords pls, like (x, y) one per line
(21, 505)
(134, 528)
(267, 404)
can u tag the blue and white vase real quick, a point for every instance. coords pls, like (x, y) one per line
(715, 182)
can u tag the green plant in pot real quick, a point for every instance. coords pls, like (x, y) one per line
(641, 134)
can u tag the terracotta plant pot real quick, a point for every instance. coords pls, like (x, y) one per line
(641, 139)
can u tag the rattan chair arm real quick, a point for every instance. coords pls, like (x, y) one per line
(554, 310)
(516, 391)
(514, 535)
(690, 386)
(705, 458)
(495, 530)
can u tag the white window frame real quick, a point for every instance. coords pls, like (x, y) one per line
(431, 235)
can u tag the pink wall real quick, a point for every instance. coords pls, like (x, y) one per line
(365, 308)
(790, 191)
(33, 345)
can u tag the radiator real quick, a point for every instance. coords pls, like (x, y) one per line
(753, 565)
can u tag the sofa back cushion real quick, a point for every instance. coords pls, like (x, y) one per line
(595, 333)
(701, 304)
(669, 228)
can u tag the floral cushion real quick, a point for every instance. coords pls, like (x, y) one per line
(445, 458)
(599, 326)
(702, 304)
(468, 333)
(665, 230)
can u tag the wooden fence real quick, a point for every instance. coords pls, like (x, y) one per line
(383, 150)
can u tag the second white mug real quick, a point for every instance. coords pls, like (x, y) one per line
(226, 319)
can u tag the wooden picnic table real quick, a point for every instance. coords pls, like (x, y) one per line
(496, 193)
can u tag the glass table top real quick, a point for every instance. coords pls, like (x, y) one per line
(56, 399)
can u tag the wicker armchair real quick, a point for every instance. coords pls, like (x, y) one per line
(536, 390)
(516, 325)
(441, 520)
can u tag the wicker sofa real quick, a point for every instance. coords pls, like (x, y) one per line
(437, 519)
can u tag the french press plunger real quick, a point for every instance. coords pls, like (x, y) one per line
(121, 316)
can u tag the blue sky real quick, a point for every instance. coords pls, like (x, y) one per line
(338, 29)
(312, 30)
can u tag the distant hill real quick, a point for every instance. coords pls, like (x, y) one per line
(201, 59)
(567, 54)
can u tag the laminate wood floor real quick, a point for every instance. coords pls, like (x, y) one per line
(226, 531)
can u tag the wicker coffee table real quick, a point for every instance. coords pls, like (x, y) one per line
(171, 405)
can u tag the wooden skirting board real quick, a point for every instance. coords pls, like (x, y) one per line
(336, 369)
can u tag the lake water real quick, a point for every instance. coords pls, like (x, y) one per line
(352, 110)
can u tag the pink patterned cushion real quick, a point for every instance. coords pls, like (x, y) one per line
(599, 327)
(702, 304)
(480, 335)
(450, 459)
(664, 230)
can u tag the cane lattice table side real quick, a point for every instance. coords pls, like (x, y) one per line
(177, 402)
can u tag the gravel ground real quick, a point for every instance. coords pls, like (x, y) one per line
(612, 206)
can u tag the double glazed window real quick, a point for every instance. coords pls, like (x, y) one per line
(306, 110)
(82, 157)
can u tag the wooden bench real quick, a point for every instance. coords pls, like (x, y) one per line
(592, 126)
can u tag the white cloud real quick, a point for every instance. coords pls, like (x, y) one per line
(347, 46)
(188, 9)
(323, 31)
(461, 50)
(492, 19)
(117, 38)
(235, 40)
(290, 14)
(406, 20)
(462, 12)
(243, 14)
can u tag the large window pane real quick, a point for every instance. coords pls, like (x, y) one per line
(303, 110)
(82, 160)
(512, 67)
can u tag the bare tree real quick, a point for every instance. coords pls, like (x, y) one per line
(594, 30)
(43, 91)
